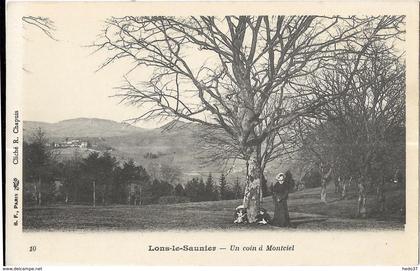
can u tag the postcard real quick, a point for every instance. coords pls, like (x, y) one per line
(212, 133)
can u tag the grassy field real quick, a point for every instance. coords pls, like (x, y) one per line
(306, 212)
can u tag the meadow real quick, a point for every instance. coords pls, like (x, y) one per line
(307, 212)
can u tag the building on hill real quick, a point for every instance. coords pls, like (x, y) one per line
(73, 143)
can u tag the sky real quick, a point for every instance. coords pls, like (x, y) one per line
(61, 81)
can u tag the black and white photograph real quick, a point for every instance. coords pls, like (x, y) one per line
(230, 122)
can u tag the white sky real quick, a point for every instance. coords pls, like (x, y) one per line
(62, 82)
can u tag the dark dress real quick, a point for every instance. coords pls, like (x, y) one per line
(281, 213)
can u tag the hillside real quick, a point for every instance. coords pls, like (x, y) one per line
(81, 127)
(175, 144)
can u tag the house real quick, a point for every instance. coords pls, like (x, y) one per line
(73, 143)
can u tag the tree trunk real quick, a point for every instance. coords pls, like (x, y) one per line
(129, 198)
(103, 194)
(338, 184)
(39, 192)
(36, 193)
(344, 188)
(94, 194)
(264, 188)
(324, 182)
(380, 196)
(140, 195)
(324, 190)
(253, 195)
(361, 202)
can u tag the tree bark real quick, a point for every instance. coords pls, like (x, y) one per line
(36, 194)
(344, 185)
(324, 182)
(103, 194)
(94, 194)
(361, 202)
(253, 195)
(380, 194)
(264, 188)
(140, 195)
(338, 185)
(324, 190)
(39, 192)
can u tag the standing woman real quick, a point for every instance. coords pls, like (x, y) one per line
(280, 194)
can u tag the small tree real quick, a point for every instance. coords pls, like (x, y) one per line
(223, 187)
(69, 172)
(38, 166)
(129, 175)
(237, 189)
(192, 189)
(210, 192)
(202, 196)
(99, 172)
(159, 189)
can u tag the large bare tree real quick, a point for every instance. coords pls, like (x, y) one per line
(240, 76)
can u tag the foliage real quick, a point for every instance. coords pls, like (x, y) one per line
(38, 169)
(237, 189)
(223, 187)
(210, 192)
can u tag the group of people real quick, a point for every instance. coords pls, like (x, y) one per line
(251, 212)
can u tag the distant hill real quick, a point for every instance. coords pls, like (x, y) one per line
(172, 144)
(81, 127)
(175, 144)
